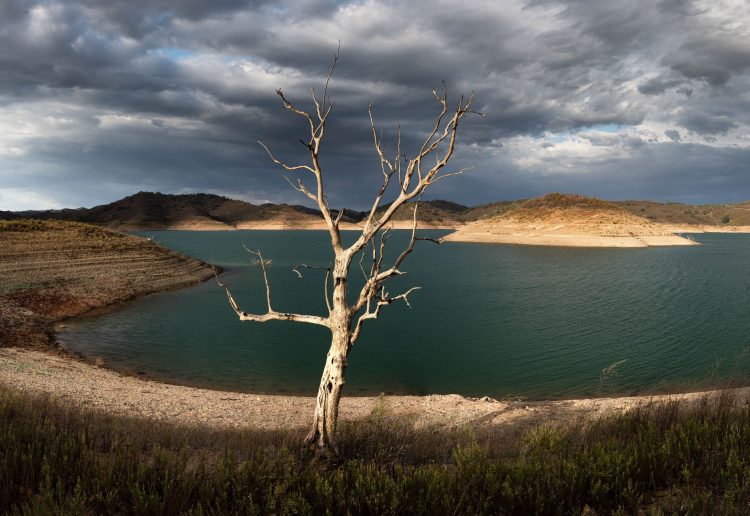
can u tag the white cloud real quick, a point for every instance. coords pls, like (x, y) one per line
(16, 199)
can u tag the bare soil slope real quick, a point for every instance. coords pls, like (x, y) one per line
(568, 220)
(50, 270)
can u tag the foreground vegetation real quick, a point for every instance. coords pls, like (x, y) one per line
(55, 459)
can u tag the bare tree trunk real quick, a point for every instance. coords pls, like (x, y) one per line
(323, 431)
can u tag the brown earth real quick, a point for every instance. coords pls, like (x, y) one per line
(568, 220)
(50, 270)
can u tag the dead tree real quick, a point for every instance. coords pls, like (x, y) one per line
(411, 176)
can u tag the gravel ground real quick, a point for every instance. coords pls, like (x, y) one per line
(72, 381)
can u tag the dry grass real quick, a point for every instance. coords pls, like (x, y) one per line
(658, 459)
(721, 215)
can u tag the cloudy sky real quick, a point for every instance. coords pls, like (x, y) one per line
(632, 99)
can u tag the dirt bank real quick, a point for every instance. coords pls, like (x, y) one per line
(53, 270)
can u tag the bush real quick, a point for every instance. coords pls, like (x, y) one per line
(55, 459)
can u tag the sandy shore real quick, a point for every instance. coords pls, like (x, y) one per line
(710, 229)
(510, 235)
(71, 381)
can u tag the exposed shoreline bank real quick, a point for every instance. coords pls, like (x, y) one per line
(51, 271)
(73, 381)
(275, 226)
(569, 240)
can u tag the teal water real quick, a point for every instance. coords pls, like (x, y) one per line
(497, 320)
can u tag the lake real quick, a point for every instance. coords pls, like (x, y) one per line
(497, 320)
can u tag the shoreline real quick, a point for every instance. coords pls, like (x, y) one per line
(570, 240)
(345, 226)
(68, 380)
(61, 350)
(51, 271)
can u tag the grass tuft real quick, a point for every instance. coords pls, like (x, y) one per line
(655, 459)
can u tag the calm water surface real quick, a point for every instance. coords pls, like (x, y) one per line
(494, 320)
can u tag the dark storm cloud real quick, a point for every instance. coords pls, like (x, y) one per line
(705, 123)
(99, 99)
(658, 85)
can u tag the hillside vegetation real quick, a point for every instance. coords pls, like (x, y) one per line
(676, 213)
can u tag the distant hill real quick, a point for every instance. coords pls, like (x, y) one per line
(449, 214)
(567, 220)
(148, 210)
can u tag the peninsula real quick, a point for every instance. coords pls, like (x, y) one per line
(568, 220)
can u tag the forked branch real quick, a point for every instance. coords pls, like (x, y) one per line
(415, 179)
(373, 296)
(316, 122)
(270, 315)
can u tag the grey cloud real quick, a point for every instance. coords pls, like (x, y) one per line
(190, 85)
(706, 123)
(658, 85)
(673, 135)
(713, 60)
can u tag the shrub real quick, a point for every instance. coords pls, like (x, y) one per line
(56, 459)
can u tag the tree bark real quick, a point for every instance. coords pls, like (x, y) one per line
(323, 431)
(322, 434)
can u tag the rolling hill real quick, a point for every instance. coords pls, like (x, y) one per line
(555, 214)
(147, 210)
(568, 220)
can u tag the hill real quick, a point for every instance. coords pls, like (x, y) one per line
(148, 210)
(152, 211)
(50, 270)
(707, 216)
(568, 220)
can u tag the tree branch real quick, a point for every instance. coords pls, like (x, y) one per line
(441, 133)
(383, 300)
(325, 282)
(270, 315)
(323, 108)
(281, 163)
